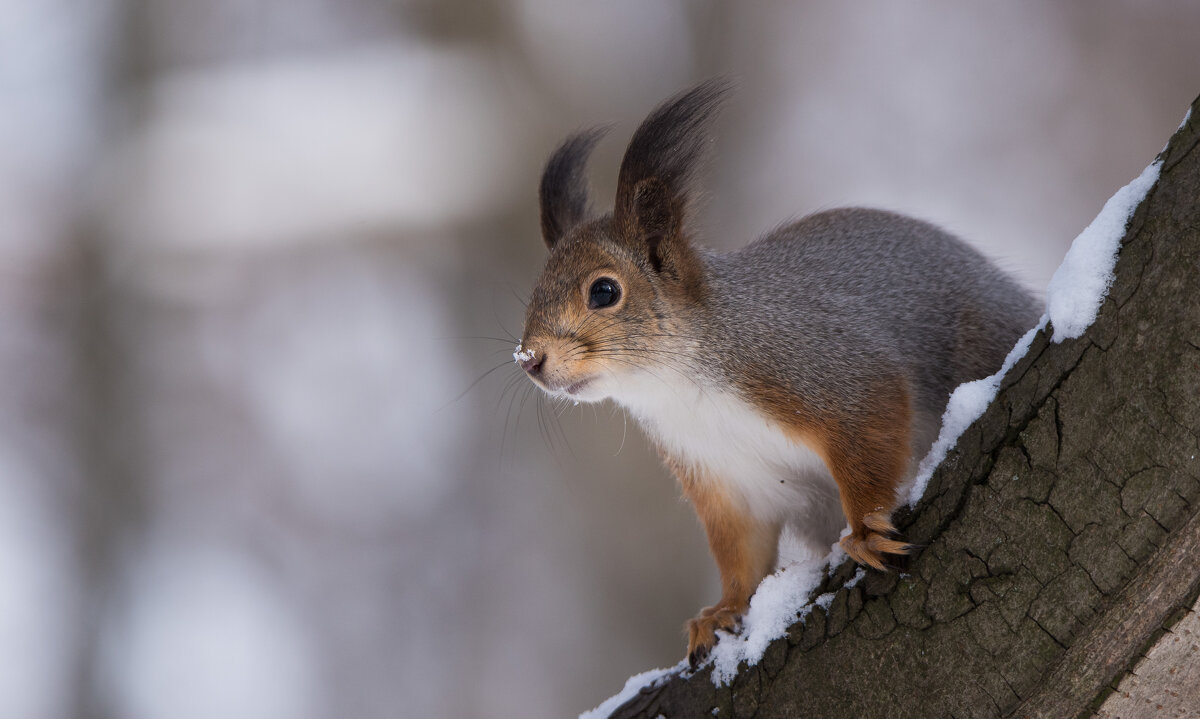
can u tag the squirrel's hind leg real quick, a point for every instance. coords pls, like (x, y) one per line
(868, 459)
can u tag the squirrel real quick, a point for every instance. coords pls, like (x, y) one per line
(795, 382)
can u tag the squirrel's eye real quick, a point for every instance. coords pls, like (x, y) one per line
(604, 292)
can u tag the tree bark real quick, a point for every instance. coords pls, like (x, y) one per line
(1061, 536)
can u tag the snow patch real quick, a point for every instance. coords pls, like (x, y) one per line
(1073, 299)
(523, 355)
(780, 598)
(826, 599)
(967, 403)
(1081, 282)
(635, 684)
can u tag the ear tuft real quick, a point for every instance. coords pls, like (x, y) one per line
(563, 194)
(657, 171)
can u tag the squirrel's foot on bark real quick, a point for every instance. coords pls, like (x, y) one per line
(874, 538)
(702, 630)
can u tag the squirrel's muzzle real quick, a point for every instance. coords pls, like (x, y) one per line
(557, 370)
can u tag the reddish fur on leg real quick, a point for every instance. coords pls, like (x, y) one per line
(866, 453)
(868, 459)
(743, 546)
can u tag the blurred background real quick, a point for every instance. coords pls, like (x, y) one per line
(263, 452)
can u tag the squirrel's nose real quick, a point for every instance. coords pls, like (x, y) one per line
(530, 360)
(533, 365)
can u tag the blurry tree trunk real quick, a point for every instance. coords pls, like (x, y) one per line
(111, 499)
(1061, 536)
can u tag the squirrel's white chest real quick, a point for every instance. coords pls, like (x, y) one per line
(733, 443)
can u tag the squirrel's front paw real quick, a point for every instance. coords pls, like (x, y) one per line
(702, 630)
(872, 539)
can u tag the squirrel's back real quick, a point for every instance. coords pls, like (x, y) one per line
(845, 295)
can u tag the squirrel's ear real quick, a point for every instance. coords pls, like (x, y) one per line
(563, 194)
(654, 183)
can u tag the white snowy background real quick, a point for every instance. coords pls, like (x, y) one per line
(248, 253)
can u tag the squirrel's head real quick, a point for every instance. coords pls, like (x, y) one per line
(620, 291)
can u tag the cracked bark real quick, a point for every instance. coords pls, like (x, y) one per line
(1061, 536)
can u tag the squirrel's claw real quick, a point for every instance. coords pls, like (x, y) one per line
(702, 631)
(870, 548)
(875, 537)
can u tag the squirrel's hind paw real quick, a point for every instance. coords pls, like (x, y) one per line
(869, 543)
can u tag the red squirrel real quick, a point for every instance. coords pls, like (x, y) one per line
(795, 382)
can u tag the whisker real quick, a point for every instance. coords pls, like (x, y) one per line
(523, 300)
(507, 417)
(686, 371)
(471, 386)
(510, 385)
(458, 338)
(563, 406)
(542, 422)
(529, 390)
(624, 425)
(503, 328)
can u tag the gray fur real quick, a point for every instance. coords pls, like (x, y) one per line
(841, 298)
